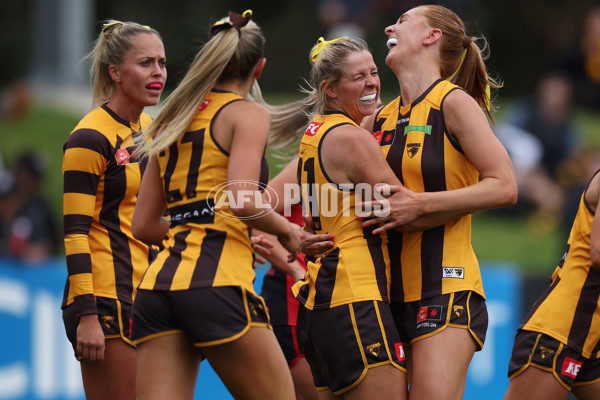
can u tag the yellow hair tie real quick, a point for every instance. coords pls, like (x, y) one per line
(462, 59)
(321, 43)
(107, 28)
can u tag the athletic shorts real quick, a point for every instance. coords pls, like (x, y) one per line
(567, 365)
(114, 317)
(341, 343)
(421, 319)
(288, 341)
(209, 316)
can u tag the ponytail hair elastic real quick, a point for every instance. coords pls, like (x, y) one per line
(321, 43)
(235, 20)
(110, 26)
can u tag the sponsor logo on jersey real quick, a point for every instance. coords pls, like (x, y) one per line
(570, 367)
(417, 128)
(385, 138)
(448, 272)
(399, 351)
(313, 128)
(545, 352)
(204, 104)
(412, 149)
(374, 348)
(428, 316)
(126, 155)
(402, 120)
(199, 212)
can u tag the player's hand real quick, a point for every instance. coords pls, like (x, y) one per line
(90, 339)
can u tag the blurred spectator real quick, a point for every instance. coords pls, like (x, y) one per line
(342, 18)
(15, 101)
(541, 137)
(582, 62)
(28, 231)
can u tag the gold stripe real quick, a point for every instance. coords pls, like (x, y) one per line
(362, 353)
(81, 284)
(120, 316)
(82, 159)
(79, 204)
(76, 244)
(156, 335)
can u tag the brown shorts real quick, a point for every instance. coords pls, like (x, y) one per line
(342, 343)
(288, 341)
(567, 365)
(114, 317)
(209, 316)
(421, 319)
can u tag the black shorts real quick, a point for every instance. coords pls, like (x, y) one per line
(342, 343)
(209, 316)
(288, 341)
(421, 319)
(114, 317)
(567, 365)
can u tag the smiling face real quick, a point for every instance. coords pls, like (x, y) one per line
(357, 90)
(141, 76)
(405, 37)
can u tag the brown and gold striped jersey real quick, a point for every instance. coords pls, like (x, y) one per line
(207, 245)
(426, 158)
(569, 310)
(101, 182)
(357, 269)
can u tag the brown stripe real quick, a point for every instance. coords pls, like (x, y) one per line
(85, 304)
(79, 263)
(433, 171)
(89, 139)
(173, 196)
(164, 279)
(210, 255)
(196, 138)
(586, 306)
(374, 245)
(80, 182)
(325, 280)
(433, 164)
(395, 250)
(116, 178)
(76, 224)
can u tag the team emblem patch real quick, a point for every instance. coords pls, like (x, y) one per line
(545, 352)
(458, 310)
(313, 128)
(412, 149)
(106, 319)
(374, 348)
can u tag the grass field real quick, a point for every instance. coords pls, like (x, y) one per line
(528, 242)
